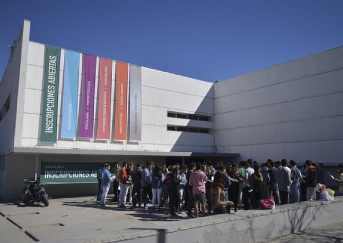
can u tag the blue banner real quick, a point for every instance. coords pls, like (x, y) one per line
(70, 90)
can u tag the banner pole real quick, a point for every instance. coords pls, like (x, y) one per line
(36, 167)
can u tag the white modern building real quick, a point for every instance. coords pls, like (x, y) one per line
(292, 110)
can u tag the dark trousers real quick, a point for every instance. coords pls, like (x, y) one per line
(303, 192)
(190, 201)
(115, 190)
(137, 196)
(234, 197)
(208, 200)
(247, 198)
(146, 191)
(98, 198)
(172, 200)
(284, 197)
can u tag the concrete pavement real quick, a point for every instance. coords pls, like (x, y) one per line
(76, 220)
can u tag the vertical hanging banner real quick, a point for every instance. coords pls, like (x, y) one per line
(70, 91)
(50, 94)
(87, 105)
(135, 103)
(121, 102)
(104, 108)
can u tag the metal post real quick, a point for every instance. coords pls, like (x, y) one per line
(36, 167)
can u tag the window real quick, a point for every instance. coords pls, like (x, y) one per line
(203, 118)
(183, 116)
(181, 129)
(188, 129)
(188, 116)
(171, 128)
(171, 114)
(193, 129)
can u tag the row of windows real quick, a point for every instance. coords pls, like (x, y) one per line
(188, 116)
(188, 129)
(5, 108)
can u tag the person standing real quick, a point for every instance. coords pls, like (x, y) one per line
(122, 184)
(197, 180)
(181, 188)
(130, 181)
(164, 185)
(137, 187)
(310, 180)
(284, 182)
(273, 184)
(156, 186)
(106, 183)
(115, 172)
(234, 187)
(259, 188)
(173, 181)
(247, 190)
(189, 191)
(146, 183)
(99, 177)
(340, 180)
(294, 193)
(241, 184)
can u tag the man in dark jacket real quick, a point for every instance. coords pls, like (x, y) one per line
(310, 180)
(137, 187)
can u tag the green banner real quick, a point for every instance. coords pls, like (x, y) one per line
(68, 173)
(50, 95)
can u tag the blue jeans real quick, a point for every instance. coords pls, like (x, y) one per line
(294, 194)
(104, 194)
(122, 194)
(220, 210)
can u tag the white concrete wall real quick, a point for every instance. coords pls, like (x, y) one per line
(292, 110)
(161, 92)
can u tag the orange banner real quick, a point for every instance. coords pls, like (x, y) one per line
(104, 107)
(121, 101)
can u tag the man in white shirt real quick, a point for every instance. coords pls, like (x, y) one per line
(247, 191)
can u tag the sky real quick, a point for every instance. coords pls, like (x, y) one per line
(208, 40)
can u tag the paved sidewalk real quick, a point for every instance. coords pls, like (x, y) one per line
(76, 220)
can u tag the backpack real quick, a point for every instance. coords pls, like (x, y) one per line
(267, 203)
(167, 180)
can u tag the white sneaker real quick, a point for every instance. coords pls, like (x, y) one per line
(181, 212)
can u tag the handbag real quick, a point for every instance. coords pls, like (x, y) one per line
(267, 203)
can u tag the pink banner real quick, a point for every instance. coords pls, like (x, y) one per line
(104, 108)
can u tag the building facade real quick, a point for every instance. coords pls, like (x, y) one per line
(65, 107)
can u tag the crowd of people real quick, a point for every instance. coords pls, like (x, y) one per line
(210, 187)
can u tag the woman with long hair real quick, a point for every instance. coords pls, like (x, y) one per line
(172, 183)
(156, 186)
(259, 191)
(217, 193)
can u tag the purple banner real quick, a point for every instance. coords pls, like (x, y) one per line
(87, 105)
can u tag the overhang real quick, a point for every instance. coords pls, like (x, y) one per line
(21, 150)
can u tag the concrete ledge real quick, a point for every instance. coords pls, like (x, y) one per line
(249, 226)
